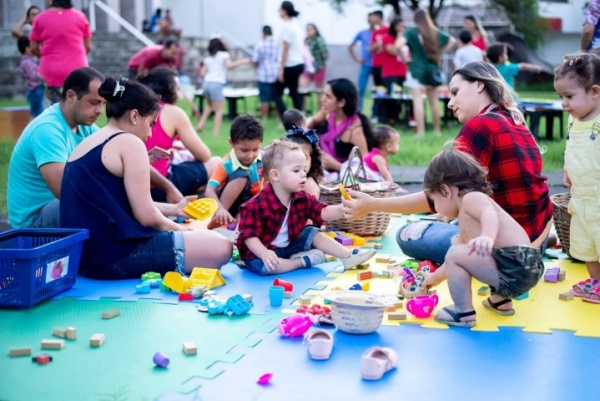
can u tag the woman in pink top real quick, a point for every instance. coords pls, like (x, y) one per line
(61, 37)
(189, 177)
(478, 33)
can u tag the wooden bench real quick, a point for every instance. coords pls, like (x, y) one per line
(232, 95)
(13, 121)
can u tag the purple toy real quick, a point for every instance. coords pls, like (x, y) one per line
(160, 359)
(551, 275)
(342, 239)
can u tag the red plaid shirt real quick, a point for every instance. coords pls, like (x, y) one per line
(263, 215)
(514, 165)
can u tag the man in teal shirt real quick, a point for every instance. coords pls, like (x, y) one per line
(38, 159)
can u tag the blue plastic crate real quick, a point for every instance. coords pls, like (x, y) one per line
(36, 264)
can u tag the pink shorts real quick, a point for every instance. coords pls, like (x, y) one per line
(318, 77)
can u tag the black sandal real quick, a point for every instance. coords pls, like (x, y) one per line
(493, 306)
(456, 316)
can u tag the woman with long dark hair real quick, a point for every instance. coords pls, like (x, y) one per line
(340, 124)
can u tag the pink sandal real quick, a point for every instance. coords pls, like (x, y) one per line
(592, 296)
(583, 287)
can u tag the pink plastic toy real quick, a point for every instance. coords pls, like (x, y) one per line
(294, 325)
(422, 306)
(264, 379)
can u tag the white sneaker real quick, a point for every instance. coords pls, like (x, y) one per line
(357, 257)
(320, 344)
(310, 258)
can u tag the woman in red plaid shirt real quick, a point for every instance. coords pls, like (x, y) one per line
(495, 134)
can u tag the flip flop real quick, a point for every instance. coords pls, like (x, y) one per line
(376, 361)
(493, 306)
(320, 344)
(455, 318)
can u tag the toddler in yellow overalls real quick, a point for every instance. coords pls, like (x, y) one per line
(577, 82)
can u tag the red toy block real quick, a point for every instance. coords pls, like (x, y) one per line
(186, 297)
(367, 274)
(42, 359)
(427, 266)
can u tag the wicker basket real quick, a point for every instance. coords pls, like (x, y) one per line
(373, 223)
(562, 219)
(357, 312)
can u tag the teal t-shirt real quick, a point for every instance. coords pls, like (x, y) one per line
(47, 139)
(508, 71)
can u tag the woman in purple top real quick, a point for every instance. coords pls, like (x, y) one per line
(340, 124)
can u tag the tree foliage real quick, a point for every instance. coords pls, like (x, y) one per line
(434, 6)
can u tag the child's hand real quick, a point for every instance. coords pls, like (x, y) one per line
(183, 203)
(270, 259)
(223, 217)
(431, 280)
(567, 180)
(481, 246)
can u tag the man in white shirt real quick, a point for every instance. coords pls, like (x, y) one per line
(467, 52)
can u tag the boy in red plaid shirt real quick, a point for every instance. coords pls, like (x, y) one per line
(273, 235)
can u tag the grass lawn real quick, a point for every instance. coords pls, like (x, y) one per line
(413, 151)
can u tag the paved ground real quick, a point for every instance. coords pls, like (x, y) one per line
(411, 178)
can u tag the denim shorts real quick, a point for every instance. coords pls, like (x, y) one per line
(303, 243)
(213, 91)
(266, 92)
(187, 178)
(162, 253)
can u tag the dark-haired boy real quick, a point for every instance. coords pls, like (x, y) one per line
(32, 79)
(239, 176)
(467, 52)
(497, 54)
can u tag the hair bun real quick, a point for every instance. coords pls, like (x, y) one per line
(107, 89)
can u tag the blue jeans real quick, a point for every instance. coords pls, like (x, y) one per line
(303, 243)
(430, 240)
(426, 240)
(162, 253)
(35, 98)
(48, 216)
(363, 80)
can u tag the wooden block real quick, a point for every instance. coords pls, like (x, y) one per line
(384, 274)
(398, 305)
(391, 308)
(71, 333)
(59, 332)
(484, 290)
(392, 261)
(396, 315)
(53, 344)
(383, 258)
(431, 291)
(566, 296)
(247, 297)
(189, 348)
(19, 351)
(392, 266)
(363, 266)
(330, 258)
(304, 299)
(287, 294)
(364, 275)
(110, 314)
(378, 246)
(97, 340)
(562, 275)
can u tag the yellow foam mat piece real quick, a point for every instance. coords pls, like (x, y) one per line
(541, 312)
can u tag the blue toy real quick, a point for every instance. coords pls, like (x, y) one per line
(238, 305)
(521, 297)
(143, 288)
(155, 282)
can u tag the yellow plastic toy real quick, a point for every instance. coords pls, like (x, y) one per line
(358, 241)
(330, 234)
(366, 286)
(202, 209)
(177, 282)
(209, 278)
(345, 194)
